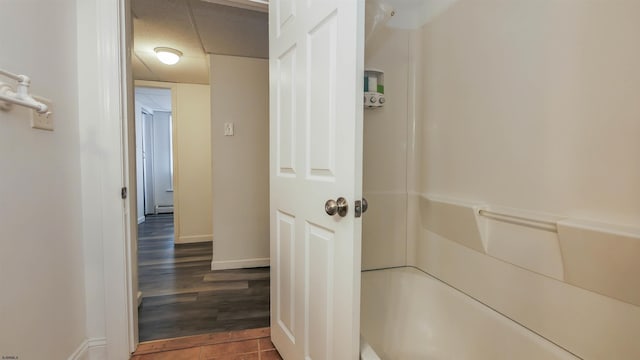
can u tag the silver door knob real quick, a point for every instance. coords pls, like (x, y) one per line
(340, 207)
(365, 205)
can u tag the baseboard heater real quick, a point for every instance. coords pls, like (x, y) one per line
(164, 209)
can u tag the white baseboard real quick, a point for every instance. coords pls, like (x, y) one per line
(81, 352)
(141, 219)
(91, 349)
(98, 349)
(194, 239)
(163, 209)
(240, 264)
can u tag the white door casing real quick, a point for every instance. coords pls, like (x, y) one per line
(316, 66)
(147, 158)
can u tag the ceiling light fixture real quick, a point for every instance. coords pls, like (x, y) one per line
(266, 2)
(167, 55)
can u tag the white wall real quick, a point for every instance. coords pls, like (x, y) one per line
(240, 95)
(531, 107)
(192, 163)
(385, 154)
(42, 306)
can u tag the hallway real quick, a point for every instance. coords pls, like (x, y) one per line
(183, 297)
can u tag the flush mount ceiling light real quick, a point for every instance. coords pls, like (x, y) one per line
(167, 55)
(266, 2)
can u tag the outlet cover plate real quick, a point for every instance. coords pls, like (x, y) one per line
(43, 121)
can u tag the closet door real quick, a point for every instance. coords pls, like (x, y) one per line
(316, 74)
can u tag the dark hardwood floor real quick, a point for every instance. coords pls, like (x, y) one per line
(181, 296)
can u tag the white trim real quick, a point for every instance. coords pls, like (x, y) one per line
(91, 349)
(111, 84)
(81, 352)
(97, 349)
(141, 219)
(163, 209)
(240, 264)
(194, 239)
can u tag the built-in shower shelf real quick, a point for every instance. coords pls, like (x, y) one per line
(599, 257)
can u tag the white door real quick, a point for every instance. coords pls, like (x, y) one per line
(316, 69)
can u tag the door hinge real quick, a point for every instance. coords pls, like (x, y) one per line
(123, 192)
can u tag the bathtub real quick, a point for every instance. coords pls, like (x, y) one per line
(407, 314)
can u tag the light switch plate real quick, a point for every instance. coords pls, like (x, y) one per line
(43, 121)
(228, 129)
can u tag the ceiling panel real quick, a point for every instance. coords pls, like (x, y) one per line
(154, 98)
(195, 28)
(228, 30)
(190, 69)
(244, 4)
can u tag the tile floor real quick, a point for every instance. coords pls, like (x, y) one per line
(252, 344)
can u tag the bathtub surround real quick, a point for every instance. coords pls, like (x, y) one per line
(525, 109)
(584, 322)
(528, 108)
(240, 96)
(385, 154)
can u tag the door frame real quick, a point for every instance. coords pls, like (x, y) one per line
(147, 161)
(114, 109)
(173, 87)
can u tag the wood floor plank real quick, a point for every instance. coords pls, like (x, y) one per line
(185, 288)
(201, 340)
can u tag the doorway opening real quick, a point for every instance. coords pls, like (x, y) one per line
(185, 288)
(154, 151)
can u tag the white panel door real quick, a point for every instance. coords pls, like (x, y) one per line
(316, 68)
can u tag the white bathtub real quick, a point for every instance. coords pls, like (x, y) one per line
(407, 314)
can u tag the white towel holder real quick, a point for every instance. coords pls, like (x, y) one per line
(19, 96)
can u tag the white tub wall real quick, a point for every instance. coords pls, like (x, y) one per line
(385, 154)
(407, 314)
(533, 105)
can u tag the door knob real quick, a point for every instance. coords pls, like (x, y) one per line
(365, 205)
(340, 207)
